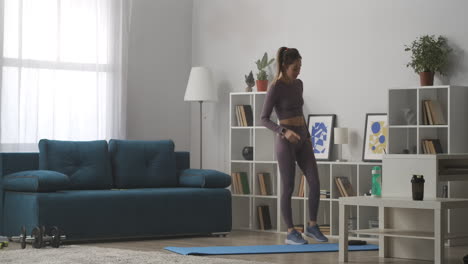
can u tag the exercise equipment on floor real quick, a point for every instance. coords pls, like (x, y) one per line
(40, 238)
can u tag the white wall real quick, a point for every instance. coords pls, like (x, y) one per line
(353, 51)
(159, 64)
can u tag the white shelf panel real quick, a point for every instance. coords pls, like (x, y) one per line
(298, 198)
(248, 127)
(247, 93)
(265, 196)
(266, 162)
(242, 195)
(242, 161)
(402, 126)
(395, 233)
(433, 126)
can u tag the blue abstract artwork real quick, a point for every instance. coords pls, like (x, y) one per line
(319, 137)
(320, 128)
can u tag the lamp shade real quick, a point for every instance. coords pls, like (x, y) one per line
(200, 86)
(341, 135)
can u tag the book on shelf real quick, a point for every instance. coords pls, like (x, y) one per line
(300, 190)
(324, 194)
(239, 122)
(244, 115)
(325, 229)
(344, 186)
(299, 228)
(263, 216)
(432, 113)
(240, 183)
(339, 187)
(437, 113)
(265, 183)
(431, 146)
(244, 182)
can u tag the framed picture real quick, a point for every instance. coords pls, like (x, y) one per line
(321, 133)
(375, 137)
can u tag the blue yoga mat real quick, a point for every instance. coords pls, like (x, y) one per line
(267, 249)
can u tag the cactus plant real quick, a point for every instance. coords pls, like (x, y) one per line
(261, 65)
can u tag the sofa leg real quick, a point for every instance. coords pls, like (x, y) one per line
(220, 234)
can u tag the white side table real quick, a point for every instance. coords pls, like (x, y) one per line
(438, 205)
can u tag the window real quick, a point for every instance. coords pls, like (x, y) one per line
(62, 74)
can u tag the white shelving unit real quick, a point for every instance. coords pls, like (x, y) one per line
(451, 134)
(404, 135)
(264, 160)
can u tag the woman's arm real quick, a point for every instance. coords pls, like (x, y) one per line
(270, 101)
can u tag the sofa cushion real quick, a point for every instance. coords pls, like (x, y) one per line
(204, 178)
(86, 163)
(36, 181)
(143, 164)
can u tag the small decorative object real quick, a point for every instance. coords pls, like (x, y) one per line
(444, 191)
(321, 131)
(410, 116)
(417, 183)
(375, 137)
(340, 139)
(250, 81)
(429, 55)
(247, 153)
(376, 181)
(262, 81)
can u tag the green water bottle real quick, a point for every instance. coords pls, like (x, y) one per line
(376, 181)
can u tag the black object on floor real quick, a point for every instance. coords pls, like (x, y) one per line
(357, 242)
(465, 259)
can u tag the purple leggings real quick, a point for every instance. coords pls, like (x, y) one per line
(302, 152)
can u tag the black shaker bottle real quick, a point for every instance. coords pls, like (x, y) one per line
(417, 183)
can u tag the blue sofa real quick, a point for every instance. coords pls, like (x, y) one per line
(121, 189)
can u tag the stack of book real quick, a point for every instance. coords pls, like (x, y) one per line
(431, 146)
(240, 183)
(324, 194)
(264, 183)
(432, 113)
(344, 186)
(263, 216)
(300, 191)
(299, 228)
(244, 115)
(325, 229)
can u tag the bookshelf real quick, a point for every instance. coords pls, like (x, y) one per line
(406, 135)
(245, 206)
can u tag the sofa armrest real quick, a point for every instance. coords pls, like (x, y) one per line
(36, 181)
(202, 178)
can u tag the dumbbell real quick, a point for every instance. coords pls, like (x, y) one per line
(38, 238)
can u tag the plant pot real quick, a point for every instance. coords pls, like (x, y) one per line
(262, 85)
(426, 78)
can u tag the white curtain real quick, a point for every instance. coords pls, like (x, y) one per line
(63, 70)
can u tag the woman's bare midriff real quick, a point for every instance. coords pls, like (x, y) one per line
(293, 121)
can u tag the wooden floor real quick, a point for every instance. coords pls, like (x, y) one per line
(243, 238)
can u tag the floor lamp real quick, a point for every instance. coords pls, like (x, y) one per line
(200, 89)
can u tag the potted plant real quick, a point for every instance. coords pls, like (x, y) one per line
(250, 81)
(429, 55)
(262, 81)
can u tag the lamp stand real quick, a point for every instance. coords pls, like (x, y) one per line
(201, 135)
(340, 157)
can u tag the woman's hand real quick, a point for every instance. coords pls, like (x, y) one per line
(292, 136)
